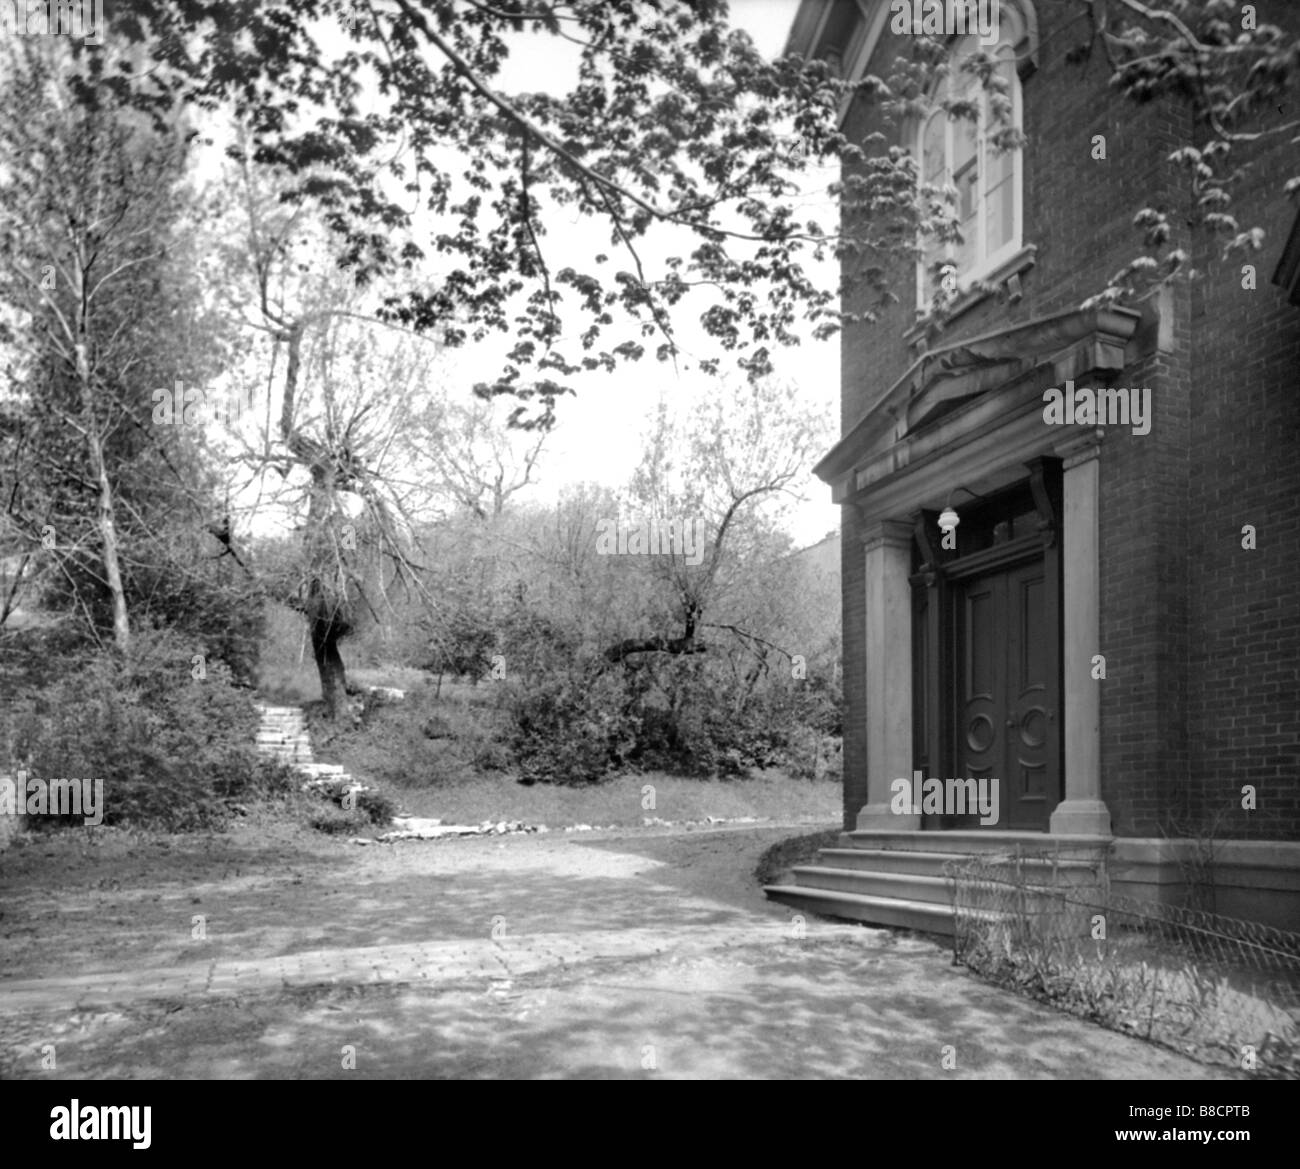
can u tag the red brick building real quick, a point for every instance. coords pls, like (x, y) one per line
(1112, 635)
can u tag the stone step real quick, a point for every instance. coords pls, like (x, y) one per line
(931, 864)
(978, 841)
(892, 911)
(898, 886)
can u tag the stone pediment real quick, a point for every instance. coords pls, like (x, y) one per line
(967, 379)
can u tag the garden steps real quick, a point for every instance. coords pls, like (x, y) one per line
(283, 735)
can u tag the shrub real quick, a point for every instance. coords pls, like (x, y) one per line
(265, 779)
(171, 750)
(337, 822)
(571, 729)
(375, 807)
(462, 646)
(697, 720)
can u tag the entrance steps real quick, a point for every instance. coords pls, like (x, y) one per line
(898, 879)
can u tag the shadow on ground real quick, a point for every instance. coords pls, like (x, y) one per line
(788, 1010)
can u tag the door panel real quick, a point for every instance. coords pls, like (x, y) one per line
(981, 740)
(1031, 719)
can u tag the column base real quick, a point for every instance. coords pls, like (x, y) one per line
(880, 818)
(1080, 818)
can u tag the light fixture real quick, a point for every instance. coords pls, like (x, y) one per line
(948, 518)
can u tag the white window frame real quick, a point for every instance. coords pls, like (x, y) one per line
(983, 262)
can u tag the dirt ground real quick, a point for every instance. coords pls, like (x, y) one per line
(642, 953)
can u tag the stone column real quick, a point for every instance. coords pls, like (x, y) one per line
(887, 546)
(1082, 811)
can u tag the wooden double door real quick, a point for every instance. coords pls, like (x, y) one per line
(1006, 723)
(986, 653)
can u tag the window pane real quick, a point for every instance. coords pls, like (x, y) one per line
(932, 151)
(967, 184)
(964, 143)
(999, 211)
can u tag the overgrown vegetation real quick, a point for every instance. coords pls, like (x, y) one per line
(172, 751)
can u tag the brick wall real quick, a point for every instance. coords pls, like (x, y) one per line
(1244, 607)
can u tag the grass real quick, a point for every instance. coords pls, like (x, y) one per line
(795, 850)
(621, 800)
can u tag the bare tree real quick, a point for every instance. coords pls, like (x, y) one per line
(332, 458)
(474, 457)
(749, 446)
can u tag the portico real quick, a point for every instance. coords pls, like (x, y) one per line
(1025, 572)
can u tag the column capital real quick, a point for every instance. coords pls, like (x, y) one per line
(886, 534)
(1080, 448)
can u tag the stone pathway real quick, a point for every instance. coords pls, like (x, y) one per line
(430, 962)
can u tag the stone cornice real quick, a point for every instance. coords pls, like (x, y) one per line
(1073, 342)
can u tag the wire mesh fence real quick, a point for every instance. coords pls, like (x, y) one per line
(1049, 925)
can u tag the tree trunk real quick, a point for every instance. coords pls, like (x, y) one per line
(325, 638)
(104, 520)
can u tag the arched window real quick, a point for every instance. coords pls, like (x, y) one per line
(964, 155)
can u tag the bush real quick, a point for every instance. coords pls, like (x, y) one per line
(571, 730)
(463, 646)
(337, 822)
(171, 750)
(375, 807)
(696, 720)
(266, 779)
(688, 715)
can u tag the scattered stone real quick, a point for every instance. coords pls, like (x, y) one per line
(421, 828)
